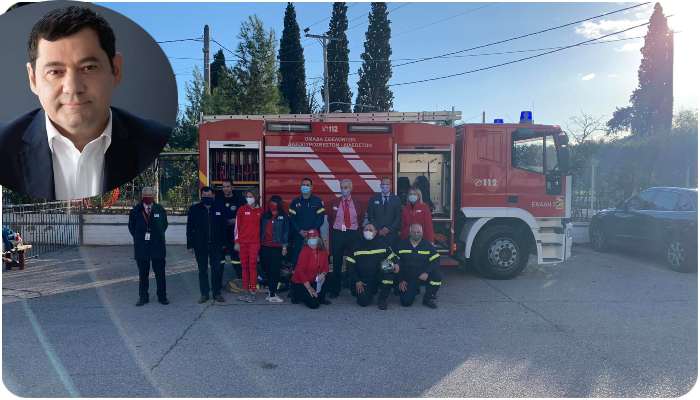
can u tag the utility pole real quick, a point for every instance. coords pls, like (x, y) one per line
(483, 117)
(323, 39)
(207, 72)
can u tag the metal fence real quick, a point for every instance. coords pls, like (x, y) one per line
(46, 226)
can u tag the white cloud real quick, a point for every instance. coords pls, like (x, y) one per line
(592, 30)
(588, 77)
(631, 46)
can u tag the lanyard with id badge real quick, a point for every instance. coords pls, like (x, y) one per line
(147, 237)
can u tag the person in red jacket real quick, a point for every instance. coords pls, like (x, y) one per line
(417, 212)
(310, 273)
(247, 243)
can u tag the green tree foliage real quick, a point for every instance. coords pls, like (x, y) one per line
(216, 67)
(651, 110)
(255, 71)
(291, 68)
(373, 93)
(339, 95)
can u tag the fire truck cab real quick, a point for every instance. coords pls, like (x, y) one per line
(497, 192)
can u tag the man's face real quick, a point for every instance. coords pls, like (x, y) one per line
(227, 188)
(207, 194)
(74, 81)
(416, 232)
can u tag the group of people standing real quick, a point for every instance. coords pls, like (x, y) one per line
(386, 246)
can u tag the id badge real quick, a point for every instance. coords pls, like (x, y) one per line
(343, 228)
(148, 236)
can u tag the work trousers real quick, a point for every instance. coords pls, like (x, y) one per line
(432, 284)
(381, 284)
(144, 265)
(231, 257)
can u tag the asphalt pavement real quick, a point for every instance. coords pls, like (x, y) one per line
(611, 325)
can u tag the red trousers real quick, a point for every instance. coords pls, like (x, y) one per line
(249, 261)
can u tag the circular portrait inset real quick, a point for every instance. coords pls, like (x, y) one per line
(89, 100)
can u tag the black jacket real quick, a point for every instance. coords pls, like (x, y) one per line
(157, 224)
(382, 216)
(365, 262)
(26, 164)
(206, 227)
(413, 261)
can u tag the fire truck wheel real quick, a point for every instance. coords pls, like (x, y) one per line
(500, 252)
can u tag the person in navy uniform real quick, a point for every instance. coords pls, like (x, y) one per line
(147, 224)
(306, 212)
(230, 200)
(206, 236)
(419, 264)
(384, 212)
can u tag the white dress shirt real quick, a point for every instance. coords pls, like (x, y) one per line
(78, 174)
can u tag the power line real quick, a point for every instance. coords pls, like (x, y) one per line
(387, 13)
(471, 10)
(222, 46)
(518, 60)
(181, 40)
(521, 36)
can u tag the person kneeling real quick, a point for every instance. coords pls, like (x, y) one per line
(310, 273)
(419, 264)
(371, 269)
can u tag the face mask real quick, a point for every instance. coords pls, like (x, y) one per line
(312, 242)
(416, 238)
(305, 189)
(345, 192)
(273, 207)
(147, 200)
(369, 235)
(208, 201)
(250, 200)
(385, 189)
(412, 198)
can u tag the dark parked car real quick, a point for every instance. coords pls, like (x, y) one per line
(660, 219)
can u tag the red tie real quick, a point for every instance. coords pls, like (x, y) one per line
(346, 213)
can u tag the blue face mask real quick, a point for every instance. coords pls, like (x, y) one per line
(385, 189)
(305, 189)
(208, 201)
(344, 192)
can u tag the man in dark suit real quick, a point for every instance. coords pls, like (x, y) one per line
(147, 224)
(384, 212)
(76, 145)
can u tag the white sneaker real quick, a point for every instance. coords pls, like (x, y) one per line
(274, 299)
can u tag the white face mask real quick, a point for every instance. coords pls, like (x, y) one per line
(369, 235)
(412, 198)
(312, 242)
(250, 200)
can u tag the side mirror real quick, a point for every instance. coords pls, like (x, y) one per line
(563, 155)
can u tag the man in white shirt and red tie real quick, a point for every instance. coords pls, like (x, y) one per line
(345, 218)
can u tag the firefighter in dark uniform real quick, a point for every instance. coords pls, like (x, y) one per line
(306, 212)
(419, 264)
(147, 224)
(230, 200)
(384, 212)
(206, 235)
(372, 269)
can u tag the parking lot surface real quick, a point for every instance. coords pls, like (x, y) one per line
(607, 324)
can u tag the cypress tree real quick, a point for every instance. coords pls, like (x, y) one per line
(373, 93)
(291, 70)
(216, 66)
(339, 94)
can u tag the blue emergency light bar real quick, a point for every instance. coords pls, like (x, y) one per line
(525, 117)
(498, 121)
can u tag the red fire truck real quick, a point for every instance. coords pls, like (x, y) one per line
(498, 192)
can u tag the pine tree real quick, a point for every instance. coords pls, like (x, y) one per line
(339, 95)
(291, 71)
(216, 66)
(653, 98)
(373, 93)
(256, 69)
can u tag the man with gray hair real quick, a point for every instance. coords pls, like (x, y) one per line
(345, 218)
(419, 264)
(147, 224)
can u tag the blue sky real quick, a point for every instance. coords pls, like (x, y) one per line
(594, 79)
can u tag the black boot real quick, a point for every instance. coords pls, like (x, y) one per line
(142, 301)
(430, 296)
